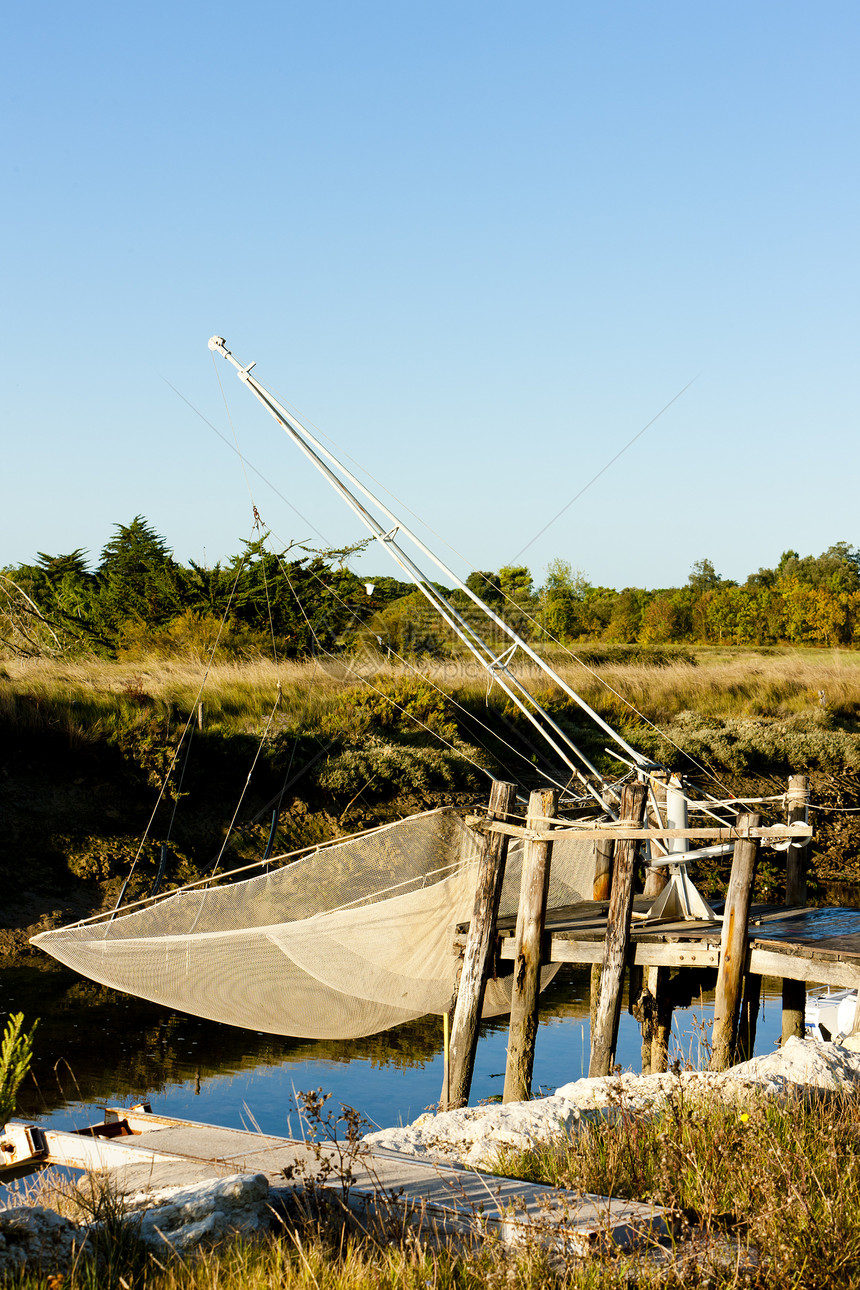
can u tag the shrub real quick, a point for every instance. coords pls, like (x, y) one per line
(388, 768)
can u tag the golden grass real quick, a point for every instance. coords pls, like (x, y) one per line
(781, 1179)
(721, 683)
(735, 708)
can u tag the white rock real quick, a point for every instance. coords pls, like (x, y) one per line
(185, 1217)
(474, 1135)
(38, 1238)
(809, 1063)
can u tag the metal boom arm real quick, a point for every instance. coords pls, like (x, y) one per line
(497, 666)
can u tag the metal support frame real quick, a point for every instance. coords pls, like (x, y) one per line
(593, 781)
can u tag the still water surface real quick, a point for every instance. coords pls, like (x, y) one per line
(96, 1047)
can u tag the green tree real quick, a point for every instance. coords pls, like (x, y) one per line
(660, 620)
(625, 615)
(703, 576)
(486, 586)
(515, 581)
(563, 598)
(137, 578)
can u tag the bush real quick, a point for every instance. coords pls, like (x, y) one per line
(406, 703)
(390, 768)
(802, 743)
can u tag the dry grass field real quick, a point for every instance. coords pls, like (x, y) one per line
(718, 683)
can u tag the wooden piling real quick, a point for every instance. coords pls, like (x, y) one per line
(602, 886)
(640, 1006)
(615, 946)
(661, 1025)
(749, 1016)
(794, 992)
(531, 917)
(733, 945)
(656, 876)
(797, 802)
(601, 889)
(480, 948)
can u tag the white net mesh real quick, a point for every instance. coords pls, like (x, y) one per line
(350, 940)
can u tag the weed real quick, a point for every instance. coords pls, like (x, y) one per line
(783, 1178)
(16, 1054)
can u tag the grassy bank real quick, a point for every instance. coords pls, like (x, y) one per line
(761, 1194)
(88, 699)
(358, 740)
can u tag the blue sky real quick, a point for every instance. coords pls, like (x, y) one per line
(479, 245)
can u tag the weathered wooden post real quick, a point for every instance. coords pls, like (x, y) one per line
(531, 917)
(641, 1007)
(480, 948)
(653, 1011)
(661, 1026)
(633, 798)
(733, 943)
(656, 876)
(794, 992)
(749, 1016)
(603, 852)
(601, 889)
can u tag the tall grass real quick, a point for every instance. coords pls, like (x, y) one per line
(795, 708)
(760, 1193)
(722, 684)
(782, 1179)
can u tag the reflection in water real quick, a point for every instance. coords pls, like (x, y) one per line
(95, 1046)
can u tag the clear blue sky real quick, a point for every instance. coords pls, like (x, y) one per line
(479, 244)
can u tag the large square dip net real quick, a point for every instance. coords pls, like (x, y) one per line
(354, 938)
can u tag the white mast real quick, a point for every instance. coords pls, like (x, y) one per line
(496, 665)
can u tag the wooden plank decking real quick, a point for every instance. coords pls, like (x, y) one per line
(798, 944)
(147, 1152)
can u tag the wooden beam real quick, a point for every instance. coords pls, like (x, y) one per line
(733, 944)
(478, 955)
(839, 972)
(622, 832)
(761, 959)
(670, 954)
(617, 940)
(531, 915)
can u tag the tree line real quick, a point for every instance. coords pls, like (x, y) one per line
(298, 601)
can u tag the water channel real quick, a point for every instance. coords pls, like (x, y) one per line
(95, 1047)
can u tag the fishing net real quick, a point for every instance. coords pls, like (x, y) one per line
(352, 939)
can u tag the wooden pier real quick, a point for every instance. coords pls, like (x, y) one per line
(802, 944)
(729, 945)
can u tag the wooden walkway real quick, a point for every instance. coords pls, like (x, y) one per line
(141, 1151)
(800, 944)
